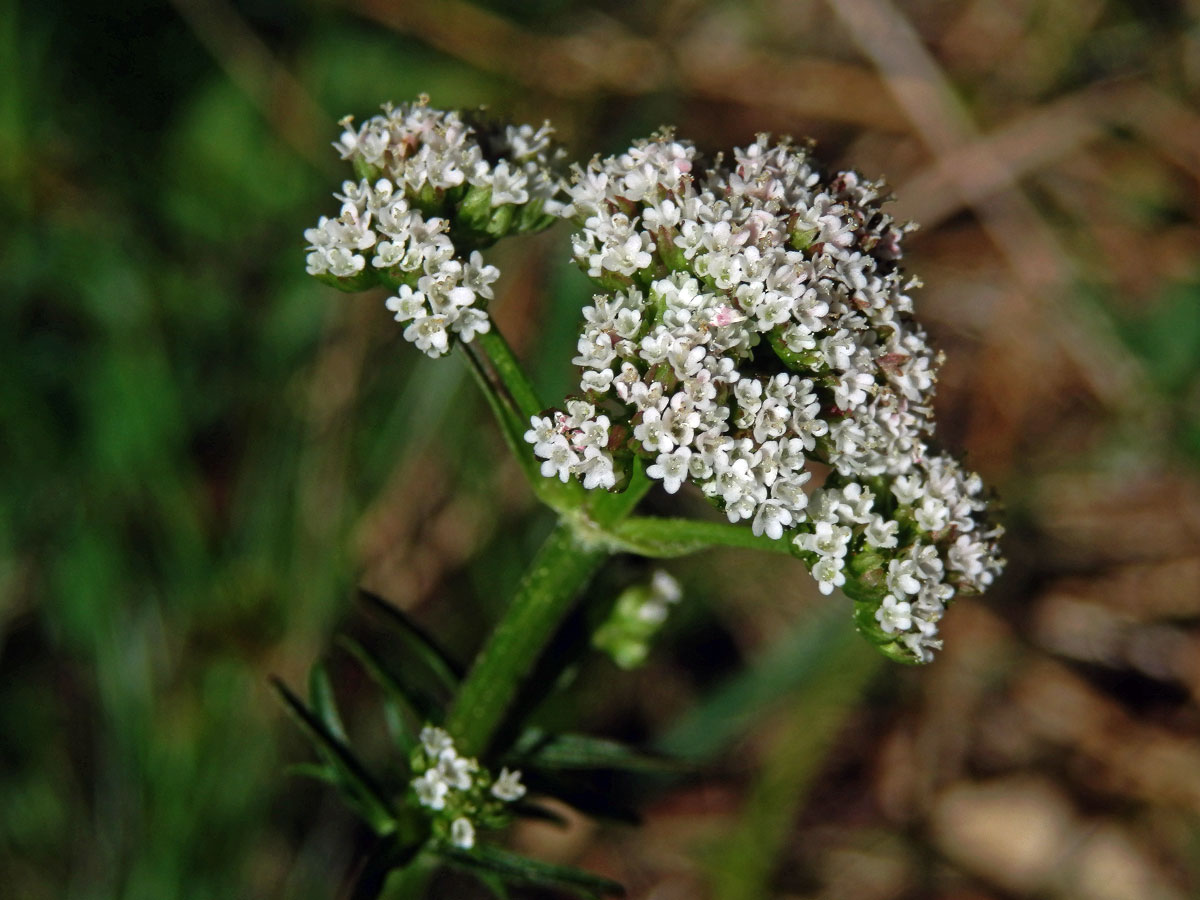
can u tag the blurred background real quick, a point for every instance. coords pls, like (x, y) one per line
(204, 451)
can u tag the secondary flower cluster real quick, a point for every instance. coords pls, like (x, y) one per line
(755, 322)
(637, 616)
(433, 187)
(460, 794)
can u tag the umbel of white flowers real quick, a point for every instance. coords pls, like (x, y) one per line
(755, 321)
(433, 187)
(459, 794)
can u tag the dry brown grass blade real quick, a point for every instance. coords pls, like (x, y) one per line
(819, 89)
(572, 66)
(281, 98)
(1168, 125)
(1030, 142)
(1039, 265)
(1134, 759)
(611, 60)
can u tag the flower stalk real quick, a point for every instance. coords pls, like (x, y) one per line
(754, 328)
(557, 575)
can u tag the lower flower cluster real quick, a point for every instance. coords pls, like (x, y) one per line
(460, 795)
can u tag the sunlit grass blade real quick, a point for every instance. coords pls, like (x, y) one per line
(743, 864)
(731, 709)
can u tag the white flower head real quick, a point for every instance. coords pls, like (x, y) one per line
(462, 833)
(431, 789)
(508, 787)
(894, 615)
(435, 741)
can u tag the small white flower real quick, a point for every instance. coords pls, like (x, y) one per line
(772, 517)
(429, 334)
(431, 789)
(508, 786)
(828, 572)
(654, 433)
(456, 770)
(462, 833)
(671, 469)
(435, 741)
(902, 577)
(894, 615)
(665, 587)
(596, 469)
(408, 304)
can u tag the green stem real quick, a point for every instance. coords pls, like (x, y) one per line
(667, 538)
(562, 568)
(493, 345)
(592, 525)
(513, 401)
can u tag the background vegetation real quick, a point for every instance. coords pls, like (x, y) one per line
(204, 452)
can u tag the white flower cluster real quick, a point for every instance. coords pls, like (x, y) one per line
(755, 322)
(458, 790)
(432, 187)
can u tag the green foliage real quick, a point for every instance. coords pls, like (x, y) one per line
(511, 867)
(405, 829)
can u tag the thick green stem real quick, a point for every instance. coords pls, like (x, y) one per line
(562, 568)
(493, 346)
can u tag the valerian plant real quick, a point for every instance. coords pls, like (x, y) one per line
(752, 327)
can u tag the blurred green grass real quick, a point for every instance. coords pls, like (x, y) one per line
(169, 530)
(196, 436)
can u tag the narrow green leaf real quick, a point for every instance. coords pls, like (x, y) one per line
(402, 732)
(513, 867)
(324, 703)
(358, 782)
(315, 771)
(423, 704)
(537, 749)
(327, 774)
(448, 672)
